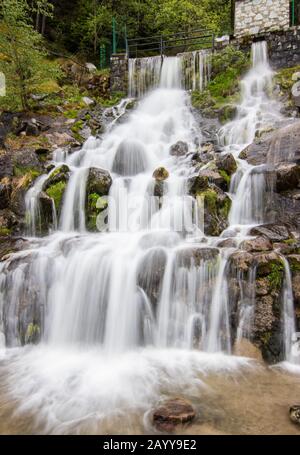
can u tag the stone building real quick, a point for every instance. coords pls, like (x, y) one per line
(252, 17)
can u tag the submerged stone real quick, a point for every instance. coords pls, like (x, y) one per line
(173, 412)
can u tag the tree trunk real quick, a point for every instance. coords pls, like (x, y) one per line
(43, 25)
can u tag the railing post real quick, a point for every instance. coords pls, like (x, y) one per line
(114, 35)
(213, 42)
(161, 46)
(126, 41)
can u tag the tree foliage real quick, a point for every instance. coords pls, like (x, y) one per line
(84, 24)
(22, 52)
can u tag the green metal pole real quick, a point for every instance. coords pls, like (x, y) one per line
(293, 12)
(114, 36)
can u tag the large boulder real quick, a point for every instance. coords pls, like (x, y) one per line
(260, 243)
(226, 163)
(130, 158)
(287, 177)
(195, 256)
(172, 413)
(150, 275)
(45, 221)
(274, 232)
(216, 205)
(98, 185)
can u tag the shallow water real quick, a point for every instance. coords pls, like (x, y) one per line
(75, 391)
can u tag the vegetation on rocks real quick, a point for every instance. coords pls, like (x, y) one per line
(222, 92)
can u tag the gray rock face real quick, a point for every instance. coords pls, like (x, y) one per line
(226, 163)
(99, 181)
(274, 232)
(287, 177)
(179, 149)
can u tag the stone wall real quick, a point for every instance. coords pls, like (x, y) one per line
(119, 73)
(283, 46)
(256, 16)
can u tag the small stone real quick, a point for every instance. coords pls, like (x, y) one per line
(160, 174)
(295, 414)
(172, 413)
(296, 76)
(88, 101)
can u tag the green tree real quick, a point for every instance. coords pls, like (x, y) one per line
(22, 52)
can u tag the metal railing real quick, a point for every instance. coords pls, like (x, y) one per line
(172, 43)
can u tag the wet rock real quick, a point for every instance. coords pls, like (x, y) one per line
(257, 244)
(5, 192)
(241, 261)
(295, 414)
(269, 263)
(226, 163)
(130, 158)
(160, 174)
(97, 189)
(263, 286)
(171, 413)
(55, 186)
(197, 184)
(296, 288)
(60, 174)
(287, 177)
(195, 256)
(274, 232)
(179, 149)
(280, 145)
(227, 113)
(218, 178)
(216, 206)
(294, 262)
(227, 243)
(45, 220)
(151, 271)
(10, 245)
(99, 181)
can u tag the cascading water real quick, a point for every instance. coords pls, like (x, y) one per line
(251, 187)
(125, 312)
(190, 70)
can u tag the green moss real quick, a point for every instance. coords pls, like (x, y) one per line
(276, 275)
(56, 192)
(265, 338)
(210, 199)
(71, 114)
(21, 171)
(4, 231)
(32, 333)
(96, 204)
(228, 66)
(290, 241)
(225, 209)
(294, 264)
(114, 99)
(225, 176)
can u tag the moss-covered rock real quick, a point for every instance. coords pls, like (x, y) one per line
(98, 185)
(216, 205)
(56, 184)
(160, 174)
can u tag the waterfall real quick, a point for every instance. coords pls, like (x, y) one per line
(190, 70)
(291, 342)
(256, 110)
(147, 302)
